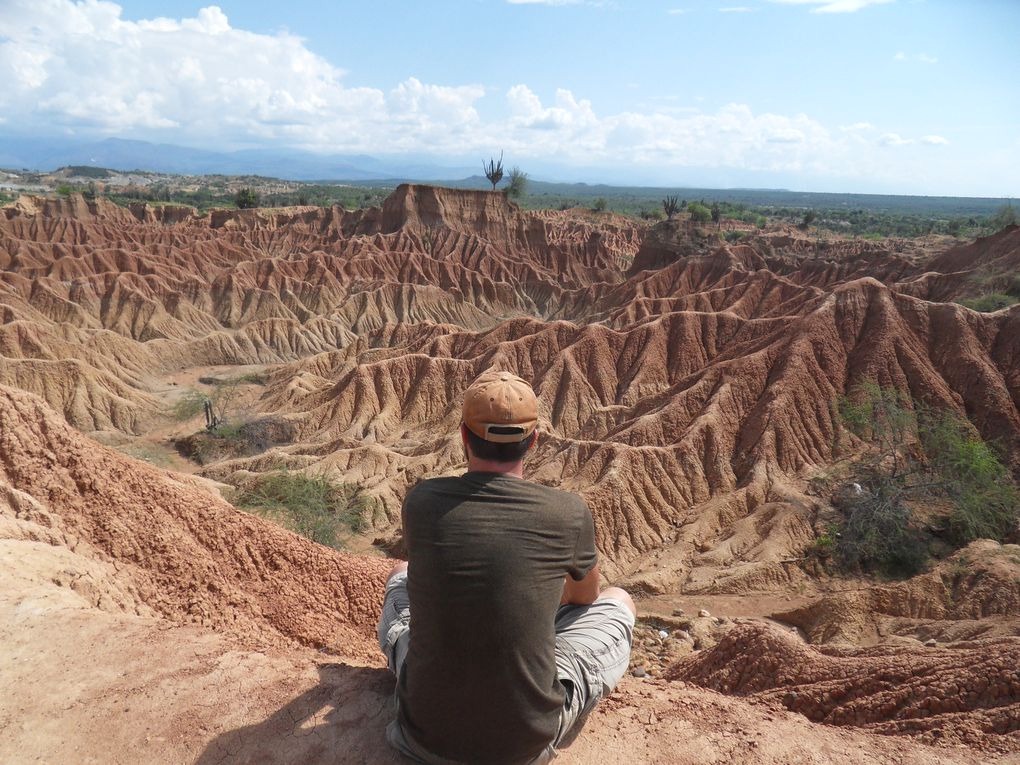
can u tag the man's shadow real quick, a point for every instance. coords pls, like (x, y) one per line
(341, 720)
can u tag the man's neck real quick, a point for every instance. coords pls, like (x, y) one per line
(515, 469)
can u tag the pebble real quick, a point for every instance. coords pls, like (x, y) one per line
(682, 635)
(704, 614)
(663, 634)
(678, 612)
(638, 672)
(931, 643)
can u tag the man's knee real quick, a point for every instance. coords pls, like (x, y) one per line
(616, 593)
(400, 568)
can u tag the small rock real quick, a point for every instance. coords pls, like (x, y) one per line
(930, 643)
(638, 672)
(681, 635)
(663, 634)
(678, 612)
(704, 614)
(718, 620)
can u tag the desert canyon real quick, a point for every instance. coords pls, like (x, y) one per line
(687, 388)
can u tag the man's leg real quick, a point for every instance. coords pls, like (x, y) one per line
(395, 619)
(592, 653)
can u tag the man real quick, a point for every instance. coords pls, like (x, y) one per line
(495, 628)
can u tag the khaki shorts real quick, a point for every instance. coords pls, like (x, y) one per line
(592, 653)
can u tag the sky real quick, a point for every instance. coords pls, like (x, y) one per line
(879, 96)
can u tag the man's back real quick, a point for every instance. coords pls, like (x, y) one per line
(488, 555)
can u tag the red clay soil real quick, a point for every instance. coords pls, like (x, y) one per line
(179, 550)
(143, 620)
(967, 693)
(683, 381)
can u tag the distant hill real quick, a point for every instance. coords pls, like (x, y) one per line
(119, 154)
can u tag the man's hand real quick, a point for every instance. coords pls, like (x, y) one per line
(581, 593)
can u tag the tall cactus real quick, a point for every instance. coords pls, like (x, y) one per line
(494, 170)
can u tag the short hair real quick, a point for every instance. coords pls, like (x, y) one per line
(498, 452)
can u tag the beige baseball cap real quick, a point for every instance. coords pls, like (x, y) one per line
(500, 407)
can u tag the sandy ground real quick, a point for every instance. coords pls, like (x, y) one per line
(83, 685)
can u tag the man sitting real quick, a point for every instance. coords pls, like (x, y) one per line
(495, 628)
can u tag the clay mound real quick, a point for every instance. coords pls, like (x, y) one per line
(986, 265)
(999, 251)
(968, 693)
(973, 593)
(177, 549)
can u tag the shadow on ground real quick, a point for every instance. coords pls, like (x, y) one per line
(340, 720)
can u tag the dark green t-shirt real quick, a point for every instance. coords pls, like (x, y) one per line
(487, 554)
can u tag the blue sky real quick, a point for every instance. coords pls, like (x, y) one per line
(900, 96)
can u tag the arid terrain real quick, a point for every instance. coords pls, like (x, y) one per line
(687, 389)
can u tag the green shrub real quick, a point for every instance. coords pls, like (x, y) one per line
(600, 205)
(985, 502)
(246, 198)
(518, 183)
(189, 405)
(988, 303)
(699, 212)
(917, 455)
(310, 505)
(734, 236)
(878, 533)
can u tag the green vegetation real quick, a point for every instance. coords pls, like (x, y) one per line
(600, 205)
(246, 198)
(518, 183)
(248, 378)
(1004, 216)
(310, 505)
(216, 192)
(990, 302)
(872, 216)
(88, 171)
(189, 405)
(920, 459)
(699, 212)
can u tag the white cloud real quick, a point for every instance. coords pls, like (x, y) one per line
(922, 58)
(735, 9)
(81, 67)
(894, 139)
(834, 6)
(544, 2)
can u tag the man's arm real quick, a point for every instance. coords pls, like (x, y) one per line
(583, 592)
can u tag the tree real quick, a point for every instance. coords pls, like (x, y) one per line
(716, 213)
(518, 183)
(670, 206)
(1004, 216)
(808, 219)
(699, 212)
(494, 170)
(600, 205)
(246, 198)
(917, 454)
